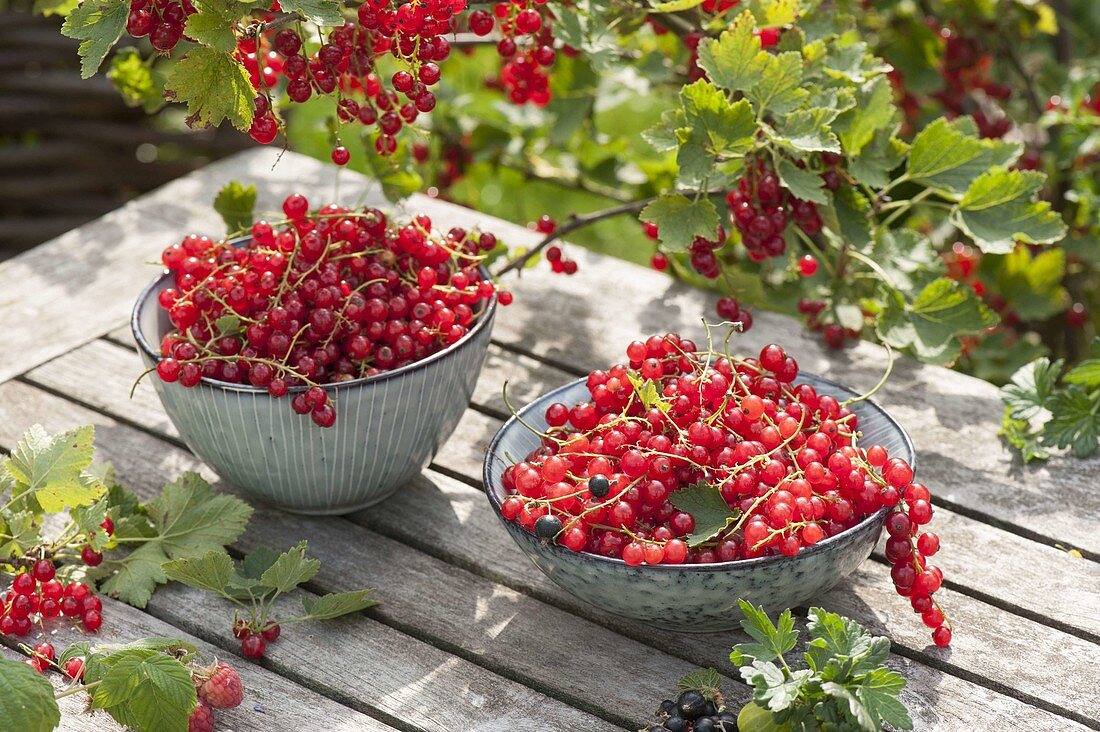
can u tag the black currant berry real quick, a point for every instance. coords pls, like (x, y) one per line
(667, 707)
(692, 704)
(547, 527)
(676, 724)
(710, 710)
(598, 486)
(704, 724)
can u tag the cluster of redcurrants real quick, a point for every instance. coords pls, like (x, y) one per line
(319, 299)
(254, 640)
(43, 657)
(526, 46)
(783, 457)
(36, 595)
(161, 20)
(760, 210)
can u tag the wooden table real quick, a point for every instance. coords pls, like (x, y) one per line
(468, 635)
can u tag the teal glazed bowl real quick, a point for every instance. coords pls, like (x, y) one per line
(692, 597)
(388, 427)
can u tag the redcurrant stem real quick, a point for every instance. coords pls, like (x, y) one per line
(903, 209)
(576, 221)
(881, 382)
(515, 414)
(77, 689)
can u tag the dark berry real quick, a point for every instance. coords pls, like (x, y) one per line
(547, 527)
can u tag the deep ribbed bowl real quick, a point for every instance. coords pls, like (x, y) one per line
(388, 427)
(693, 597)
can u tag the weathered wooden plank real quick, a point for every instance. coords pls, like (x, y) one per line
(1041, 581)
(462, 521)
(422, 685)
(270, 701)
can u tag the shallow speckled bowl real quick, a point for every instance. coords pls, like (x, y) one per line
(388, 427)
(693, 598)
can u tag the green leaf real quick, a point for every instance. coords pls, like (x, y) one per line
(714, 122)
(1074, 421)
(97, 24)
(1086, 374)
(773, 640)
(803, 183)
(257, 562)
(135, 80)
(755, 718)
(843, 644)
(188, 520)
(648, 393)
(1028, 393)
(705, 504)
(734, 61)
(212, 571)
(23, 530)
(146, 690)
(321, 12)
(674, 6)
(1032, 284)
(878, 691)
(933, 321)
(680, 220)
(852, 212)
(336, 604)
(854, 63)
(88, 519)
(52, 467)
(212, 25)
(779, 88)
(235, 204)
(807, 130)
(775, 690)
(54, 7)
(873, 112)
(1018, 433)
(214, 86)
(949, 155)
(998, 210)
(908, 258)
(773, 13)
(706, 681)
(873, 166)
(291, 569)
(26, 699)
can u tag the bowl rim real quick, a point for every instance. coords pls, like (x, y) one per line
(878, 517)
(487, 315)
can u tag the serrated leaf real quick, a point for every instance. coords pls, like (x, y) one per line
(213, 24)
(778, 89)
(647, 392)
(22, 529)
(146, 690)
(803, 183)
(1018, 433)
(873, 166)
(1086, 374)
(291, 569)
(997, 210)
(97, 24)
(873, 112)
(1074, 421)
(257, 562)
(54, 7)
(211, 571)
(680, 220)
(1029, 390)
(705, 504)
(931, 324)
(949, 155)
(235, 204)
(852, 214)
(88, 519)
(26, 699)
(214, 86)
(807, 130)
(734, 60)
(336, 604)
(51, 467)
(778, 692)
(706, 681)
(844, 643)
(774, 640)
(321, 12)
(135, 79)
(137, 575)
(853, 63)
(715, 123)
(773, 13)
(1032, 284)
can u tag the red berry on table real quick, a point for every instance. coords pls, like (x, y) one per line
(45, 650)
(91, 621)
(271, 632)
(807, 265)
(253, 646)
(24, 583)
(223, 689)
(340, 155)
(74, 668)
(504, 297)
(941, 636)
(201, 719)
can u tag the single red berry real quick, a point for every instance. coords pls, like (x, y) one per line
(74, 668)
(271, 632)
(253, 646)
(340, 155)
(807, 265)
(941, 636)
(24, 583)
(46, 651)
(223, 689)
(91, 620)
(91, 557)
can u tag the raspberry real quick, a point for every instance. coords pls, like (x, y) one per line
(201, 719)
(223, 689)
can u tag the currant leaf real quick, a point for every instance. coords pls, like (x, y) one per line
(950, 156)
(290, 569)
(236, 203)
(997, 211)
(214, 86)
(734, 60)
(705, 504)
(680, 219)
(932, 323)
(97, 24)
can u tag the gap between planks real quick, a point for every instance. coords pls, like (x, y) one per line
(907, 618)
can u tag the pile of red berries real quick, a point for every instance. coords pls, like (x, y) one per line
(760, 209)
(784, 458)
(319, 299)
(36, 596)
(161, 20)
(526, 46)
(217, 686)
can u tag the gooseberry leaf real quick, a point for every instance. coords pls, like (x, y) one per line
(705, 504)
(773, 640)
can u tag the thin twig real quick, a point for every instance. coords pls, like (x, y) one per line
(576, 221)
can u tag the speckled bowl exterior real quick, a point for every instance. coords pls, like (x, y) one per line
(388, 427)
(693, 598)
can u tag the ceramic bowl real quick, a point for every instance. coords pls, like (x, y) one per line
(693, 597)
(388, 427)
